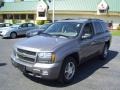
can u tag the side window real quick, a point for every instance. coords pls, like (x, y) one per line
(88, 31)
(7, 25)
(30, 25)
(105, 26)
(98, 28)
(24, 25)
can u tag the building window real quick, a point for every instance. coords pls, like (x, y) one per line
(31, 16)
(103, 11)
(16, 16)
(10, 16)
(7, 16)
(41, 14)
(23, 16)
(4, 16)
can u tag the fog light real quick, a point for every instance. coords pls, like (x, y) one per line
(44, 72)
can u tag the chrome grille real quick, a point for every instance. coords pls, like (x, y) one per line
(26, 58)
(26, 52)
(25, 55)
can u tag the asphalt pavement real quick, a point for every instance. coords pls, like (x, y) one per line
(92, 75)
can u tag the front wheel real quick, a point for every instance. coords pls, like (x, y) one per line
(13, 35)
(68, 70)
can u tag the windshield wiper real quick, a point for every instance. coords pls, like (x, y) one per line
(58, 35)
(45, 34)
(61, 35)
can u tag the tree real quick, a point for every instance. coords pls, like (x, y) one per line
(1, 3)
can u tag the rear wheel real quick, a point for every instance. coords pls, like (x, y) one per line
(13, 35)
(104, 54)
(68, 70)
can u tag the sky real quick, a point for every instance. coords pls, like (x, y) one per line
(8, 0)
(13, 0)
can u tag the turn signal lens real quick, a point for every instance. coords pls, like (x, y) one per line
(53, 57)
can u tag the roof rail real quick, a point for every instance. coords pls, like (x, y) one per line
(89, 19)
(95, 19)
(68, 19)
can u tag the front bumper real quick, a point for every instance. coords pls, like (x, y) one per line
(45, 71)
(4, 35)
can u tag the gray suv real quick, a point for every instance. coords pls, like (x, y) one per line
(58, 51)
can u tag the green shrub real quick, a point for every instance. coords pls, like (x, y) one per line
(14, 21)
(118, 28)
(40, 22)
(27, 20)
(46, 21)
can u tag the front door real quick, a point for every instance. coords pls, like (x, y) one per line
(87, 44)
(22, 29)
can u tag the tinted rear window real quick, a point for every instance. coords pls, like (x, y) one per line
(105, 26)
(98, 28)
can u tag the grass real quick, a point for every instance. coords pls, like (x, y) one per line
(115, 32)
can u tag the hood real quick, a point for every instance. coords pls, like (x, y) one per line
(42, 43)
(36, 30)
(5, 28)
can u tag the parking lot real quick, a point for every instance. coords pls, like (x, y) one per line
(93, 75)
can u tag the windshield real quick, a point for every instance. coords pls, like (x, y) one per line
(15, 26)
(45, 26)
(67, 29)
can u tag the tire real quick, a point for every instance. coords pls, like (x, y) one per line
(13, 35)
(68, 70)
(104, 54)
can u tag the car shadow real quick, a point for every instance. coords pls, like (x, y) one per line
(3, 64)
(84, 71)
(18, 37)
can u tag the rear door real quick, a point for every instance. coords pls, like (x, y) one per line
(99, 36)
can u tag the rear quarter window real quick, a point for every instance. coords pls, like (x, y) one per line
(105, 26)
(30, 25)
(98, 28)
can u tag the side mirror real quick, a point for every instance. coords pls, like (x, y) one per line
(86, 36)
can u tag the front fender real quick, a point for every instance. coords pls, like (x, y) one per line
(67, 50)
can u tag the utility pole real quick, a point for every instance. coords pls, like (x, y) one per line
(53, 13)
(53, 10)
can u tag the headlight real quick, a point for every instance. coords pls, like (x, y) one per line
(46, 57)
(34, 33)
(4, 32)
